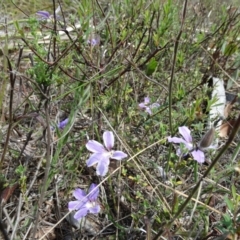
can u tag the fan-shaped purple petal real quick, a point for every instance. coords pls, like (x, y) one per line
(148, 110)
(119, 155)
(94, 40)
(176, 140)
(43, 14)
(146, 100)
(198, 155)
(75, 205)
(63, 124)
(186, 133)
(108, 139)
(95, 209)
(95, 147)
(79, 194)
(93, 192)
(102, 167)
(142, 105)
(94, 158)
(178, 152)
(81, 213)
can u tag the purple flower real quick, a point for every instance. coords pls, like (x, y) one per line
(43, 15)
(46, 16)
(147, 106)
(94, 40)
(85, 202)
(63, 124)
(101, 155)
(197, 154)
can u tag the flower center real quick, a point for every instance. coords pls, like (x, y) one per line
(90, 204)
(111, 153)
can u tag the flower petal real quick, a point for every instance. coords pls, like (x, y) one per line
(178, 152)
(94, 40)
(63, 124)
(75, 205)
(154, 105)
(94, 158)
(58, 10)
(142, 105)
(95, 209)
(79, 194)
(198, 155)
(176, 140)
(148, 110)
(181, 152)
(146, 100)
(95, 147)
(102, 167)
(43, 14)
(185, 132)
(108, 139)
(119, 155)
(81, 213)
(180, 140)
(93, 192)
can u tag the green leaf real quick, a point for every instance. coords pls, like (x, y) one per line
(230, 49)
(229, 204)
(19, 29)
(227, 222)
(234, 192)
(151, 67)
(20, 170)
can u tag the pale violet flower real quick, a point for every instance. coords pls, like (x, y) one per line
(94, 40)
(186, 139)
(46, 16)
(147, 106)
(85, 203)
(102, 155)
(43, 15)
(63, 124)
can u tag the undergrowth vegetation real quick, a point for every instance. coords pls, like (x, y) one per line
(91, 101)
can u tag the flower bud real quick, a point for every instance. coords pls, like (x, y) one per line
(207, 139)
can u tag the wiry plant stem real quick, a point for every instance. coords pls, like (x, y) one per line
(47, 168)
(170, 90)
(12, 83)
(173, 66)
